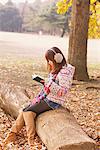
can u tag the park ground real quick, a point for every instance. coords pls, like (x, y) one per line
(22, 55)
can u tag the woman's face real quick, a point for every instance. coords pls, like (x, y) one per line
(51, 65)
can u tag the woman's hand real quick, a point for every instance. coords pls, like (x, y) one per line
(35, 100)
(46, 90)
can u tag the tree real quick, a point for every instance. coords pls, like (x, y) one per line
(9, 3)
(10, 19)
(77, 54)
(94, 21)
(94, 17)
(42, 16)
(0, 5)
(30, 15)
(56, 21)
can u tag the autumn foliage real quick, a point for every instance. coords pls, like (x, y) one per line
(94, 22)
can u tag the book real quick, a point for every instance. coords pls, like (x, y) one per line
(38, 79)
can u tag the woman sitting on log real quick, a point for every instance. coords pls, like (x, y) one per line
(52, 96)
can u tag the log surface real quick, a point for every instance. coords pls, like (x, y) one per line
(59, 130)
(12, 98)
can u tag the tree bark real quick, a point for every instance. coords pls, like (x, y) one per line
(58, 129)
(12, 98)
(77, 54)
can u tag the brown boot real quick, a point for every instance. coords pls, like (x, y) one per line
(30, 127)
(19, 123)
(10, 138)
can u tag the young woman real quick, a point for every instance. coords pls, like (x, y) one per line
(52, 96)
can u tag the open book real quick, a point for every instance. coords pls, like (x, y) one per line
(38, 79)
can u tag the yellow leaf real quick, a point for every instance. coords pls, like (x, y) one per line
(92, 1)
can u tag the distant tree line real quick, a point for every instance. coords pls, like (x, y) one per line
(37, 17)
(10, 19)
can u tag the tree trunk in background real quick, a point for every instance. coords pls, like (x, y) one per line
(77, 54)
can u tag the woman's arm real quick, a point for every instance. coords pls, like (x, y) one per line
(65, 77)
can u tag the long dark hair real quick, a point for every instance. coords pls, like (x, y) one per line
(49, 55)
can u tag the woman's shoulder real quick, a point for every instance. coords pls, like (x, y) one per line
(66, 68)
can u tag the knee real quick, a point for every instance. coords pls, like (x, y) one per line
(29, 114)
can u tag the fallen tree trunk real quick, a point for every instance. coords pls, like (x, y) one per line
(57, 129)
(12, 98)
